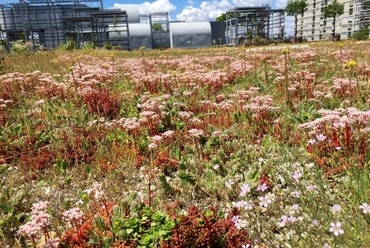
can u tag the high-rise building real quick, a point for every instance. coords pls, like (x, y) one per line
(312, 25)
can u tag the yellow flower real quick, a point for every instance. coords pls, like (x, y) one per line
(285, 51)
(351, 64)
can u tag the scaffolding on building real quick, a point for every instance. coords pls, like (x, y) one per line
(111, 28)
(52, 22)
(160, 27)
(254, 24)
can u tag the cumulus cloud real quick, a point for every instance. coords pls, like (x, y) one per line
(251, 3)
(206, 11)
(209, 10)
(148, 7)
(157, 6)
(190, 2)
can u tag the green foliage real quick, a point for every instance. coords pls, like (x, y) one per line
(70, 44)
(88, 46)
(295, 8)
(362, 34)
(149, 228)
(222, 17)
(157, 27)
(333, 10)
(19, 47)
(12, 206)
(108, 45)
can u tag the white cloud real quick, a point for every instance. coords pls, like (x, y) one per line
(251, 3)
(280, 4)
(148, 7)
(207, 11)
(190, 3)
(156, 6)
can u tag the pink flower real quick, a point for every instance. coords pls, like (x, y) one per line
(262, 187)
(52, 243)
(73, 215)
(196, 132)
(40, 206)
(30, 229)
(297, 175)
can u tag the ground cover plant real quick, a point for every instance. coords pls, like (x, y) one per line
(212, 147)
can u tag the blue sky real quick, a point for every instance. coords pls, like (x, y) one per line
(192, 10)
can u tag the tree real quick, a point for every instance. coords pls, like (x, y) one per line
(334, 10)
(362, 34)
(295, 8)
(222, 17)
(157, 27)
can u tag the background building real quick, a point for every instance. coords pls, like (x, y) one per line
(50, 23)
(314, 27)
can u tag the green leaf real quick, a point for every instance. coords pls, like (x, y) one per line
(3, 168)
(61, 166)
(117, 212)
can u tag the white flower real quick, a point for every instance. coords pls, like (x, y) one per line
(365, 208)
(244, 190)
(336, 208)
(336, 228)
(321, 137)
(296, 194)
(265, 201)
(229, 183)
(295, 207)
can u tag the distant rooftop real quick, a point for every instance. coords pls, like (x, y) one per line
(58, 1)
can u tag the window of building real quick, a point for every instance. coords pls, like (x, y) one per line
(350, 11)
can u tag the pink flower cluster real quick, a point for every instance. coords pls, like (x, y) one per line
(73, 215)
(38, 222)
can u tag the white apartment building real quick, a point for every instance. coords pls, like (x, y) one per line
(312, 25)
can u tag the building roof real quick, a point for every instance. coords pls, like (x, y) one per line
(58, 1)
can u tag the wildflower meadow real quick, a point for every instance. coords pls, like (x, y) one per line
(212, 147)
